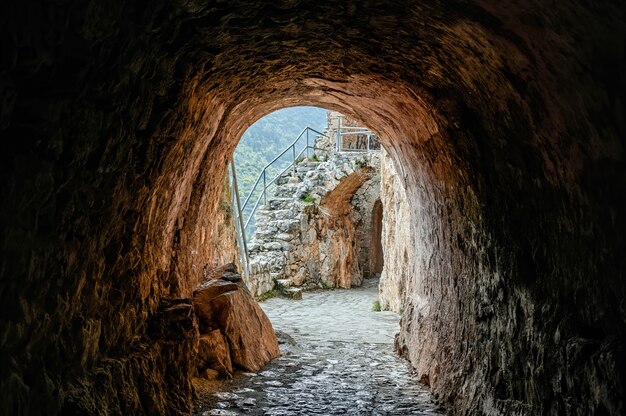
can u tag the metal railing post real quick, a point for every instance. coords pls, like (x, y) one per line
(264, 187)
(293, 157)
(339, 133)
(307, 142)
(243, 247)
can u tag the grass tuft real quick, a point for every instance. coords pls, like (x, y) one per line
(307, 198)
(267, 295)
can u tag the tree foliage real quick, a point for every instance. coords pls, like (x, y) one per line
(269, 136)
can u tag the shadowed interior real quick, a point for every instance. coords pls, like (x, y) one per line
(504, 120)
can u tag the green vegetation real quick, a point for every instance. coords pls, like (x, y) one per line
(314, 158)
(277, 290)
(278, 287)
(376, 306)
(326, 286)
(307, 198)
(269, 136)
(267, 295)
(361, 163)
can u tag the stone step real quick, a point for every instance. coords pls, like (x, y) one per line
(288, 186)
(276, 203)
(294, 293)
(284, 282)
(272, 246)
(283, 213)
(262, 236)
(285, 191)
(284, 237)
(278, 199)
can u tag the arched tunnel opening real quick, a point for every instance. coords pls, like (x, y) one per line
(313, 260)
(505, 124)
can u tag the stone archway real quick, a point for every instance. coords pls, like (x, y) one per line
(376, 246)
(503, 123)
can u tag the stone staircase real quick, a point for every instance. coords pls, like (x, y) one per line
(281, 222)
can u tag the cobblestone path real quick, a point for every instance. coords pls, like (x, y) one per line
(337, 359)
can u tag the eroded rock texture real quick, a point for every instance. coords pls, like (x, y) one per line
(398, 240)
(504, 119)
(234, 330)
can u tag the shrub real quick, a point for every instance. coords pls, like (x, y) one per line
(307, 198)
(326, 286)
(376, 306)
(267, 295)
(361, 163)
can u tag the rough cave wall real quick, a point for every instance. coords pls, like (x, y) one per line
(504, 120)
(213, 241)
(104, 146)
(398, 239)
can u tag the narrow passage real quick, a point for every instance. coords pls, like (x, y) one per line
(337, 358)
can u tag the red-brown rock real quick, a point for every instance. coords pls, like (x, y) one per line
(204, 305)
(228, 309)
(248, 330)
(214, 353)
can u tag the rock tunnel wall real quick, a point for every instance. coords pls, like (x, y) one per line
(398, 240)
(505, 122)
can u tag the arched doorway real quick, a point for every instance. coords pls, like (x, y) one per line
(376, 245)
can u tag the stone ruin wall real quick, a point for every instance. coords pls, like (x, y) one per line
(325, 243)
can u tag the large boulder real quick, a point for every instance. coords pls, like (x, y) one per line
(230, 318)
(214, 353)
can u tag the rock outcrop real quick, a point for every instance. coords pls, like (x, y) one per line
(234, 330)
